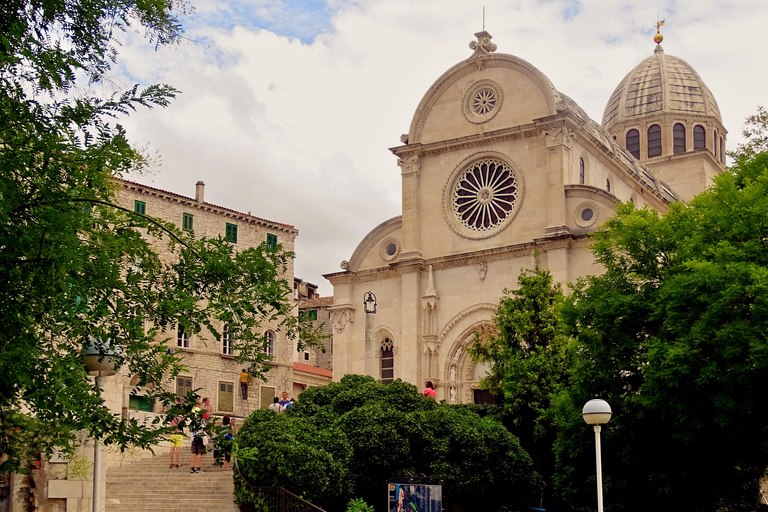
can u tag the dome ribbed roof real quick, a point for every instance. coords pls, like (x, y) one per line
(660, 84)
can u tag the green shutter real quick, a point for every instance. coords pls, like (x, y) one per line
(231, 233)
(187, 222)
(271, 241)
(140, 207)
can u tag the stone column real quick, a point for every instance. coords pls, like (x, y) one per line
(411, 241)
(559, 140)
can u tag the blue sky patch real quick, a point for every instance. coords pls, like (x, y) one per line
(303, 19)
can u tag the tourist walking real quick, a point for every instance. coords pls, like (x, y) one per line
(275, 406)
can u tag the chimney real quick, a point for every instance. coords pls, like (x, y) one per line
(199, 191)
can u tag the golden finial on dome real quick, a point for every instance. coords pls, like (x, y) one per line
(657, 37)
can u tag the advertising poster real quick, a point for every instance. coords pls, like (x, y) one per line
(415, 498)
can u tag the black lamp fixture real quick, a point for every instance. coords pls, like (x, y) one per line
(369, 302)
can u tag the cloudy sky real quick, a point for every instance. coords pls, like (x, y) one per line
(288, 106)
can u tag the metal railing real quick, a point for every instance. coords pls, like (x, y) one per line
(277, 499)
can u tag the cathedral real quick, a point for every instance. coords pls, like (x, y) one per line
(500, 170)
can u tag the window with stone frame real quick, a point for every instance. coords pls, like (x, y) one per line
(226, 401)
(387, 361)
(654, 141)
(633, 143)
(182, 337)
(581, 171)
(678, 138)
(699, 137)
(183, 386)
(226, 341)
(269, 343)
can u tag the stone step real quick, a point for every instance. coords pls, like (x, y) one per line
(148, 484)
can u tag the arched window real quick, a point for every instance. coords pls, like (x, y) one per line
(608, 185)
(678, 138)
(269, 343)
(387, 361)
(699, 137)
(654, 141)
(633, 143)
(581, 171)
(715, 145)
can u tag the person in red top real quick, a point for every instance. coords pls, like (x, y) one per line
(430, 390)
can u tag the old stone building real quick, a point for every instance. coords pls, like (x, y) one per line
(499, 166)
(211, 364)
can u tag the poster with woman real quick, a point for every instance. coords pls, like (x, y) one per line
(415, 498)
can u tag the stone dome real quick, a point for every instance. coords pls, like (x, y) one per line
(661, 84)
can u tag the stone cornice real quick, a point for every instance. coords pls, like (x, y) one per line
(590, 192)
(206, 207)
(460, 260)
(468, 142)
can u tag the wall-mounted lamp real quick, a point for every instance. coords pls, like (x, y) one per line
(369, 302)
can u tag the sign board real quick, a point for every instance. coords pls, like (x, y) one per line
(415, 498)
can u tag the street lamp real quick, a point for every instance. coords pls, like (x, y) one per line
(369, 302)
(101, 359)
(597, 412)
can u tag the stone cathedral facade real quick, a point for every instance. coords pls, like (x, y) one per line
(498, 168)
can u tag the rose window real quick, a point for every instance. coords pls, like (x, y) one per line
(485, 195)
(484, 102)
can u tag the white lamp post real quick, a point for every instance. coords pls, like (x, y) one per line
(597, 412)
(101, 359)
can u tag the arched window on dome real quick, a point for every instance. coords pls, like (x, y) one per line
(715, 145)
(722, 150)
(699, 137)
(633, 143)
(678, 138)
(387, 366)
(581, 171)
(608, 185)
(654, 141)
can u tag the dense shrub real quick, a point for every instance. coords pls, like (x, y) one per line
(349, 439)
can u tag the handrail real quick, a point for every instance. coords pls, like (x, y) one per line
(273, 499)
(277, 499)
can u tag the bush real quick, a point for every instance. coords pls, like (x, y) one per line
(353, 437)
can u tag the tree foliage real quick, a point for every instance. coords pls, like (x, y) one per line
(74, 265)
(353, 437)
(674, 336)
(529, 363)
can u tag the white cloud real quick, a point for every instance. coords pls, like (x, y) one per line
(298, 133)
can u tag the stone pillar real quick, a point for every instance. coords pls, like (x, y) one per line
(370, 346)
(408, 350)
(411, 241)
(559, 140)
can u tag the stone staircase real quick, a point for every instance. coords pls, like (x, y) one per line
(150, 485)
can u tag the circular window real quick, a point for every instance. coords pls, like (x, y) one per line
(389, 249)
(482, 101)
(586, 214)
(482, 197)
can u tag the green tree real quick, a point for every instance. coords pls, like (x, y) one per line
(675, 337)
(529, 363)
(358, 435)
(74, 265)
